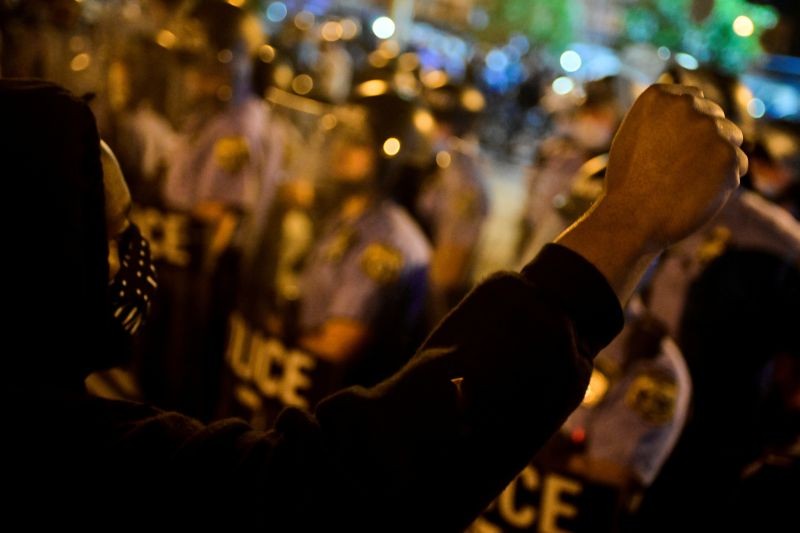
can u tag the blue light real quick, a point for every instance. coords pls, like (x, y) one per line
(786, 102)
(479, 18)
(520, 43)
(496, 60)
(276, 12)
(779, 95)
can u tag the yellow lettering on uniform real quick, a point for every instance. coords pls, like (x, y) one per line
(247, 397)
(167, 233)
(553, 507)
(148, 221)
(519, 517)
(296, 379)
(236, 353)
(481, 525)
(265, 353)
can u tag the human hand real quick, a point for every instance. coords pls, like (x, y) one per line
(673, 164)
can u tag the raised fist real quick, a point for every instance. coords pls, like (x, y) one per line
(673, 163)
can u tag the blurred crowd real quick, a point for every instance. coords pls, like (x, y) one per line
(316, 199)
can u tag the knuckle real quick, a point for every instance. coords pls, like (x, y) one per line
(710, 121)
(730, 131)
(709, 107)
(707, 124)
(742, 160)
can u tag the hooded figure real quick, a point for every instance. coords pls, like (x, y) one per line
(58, 295)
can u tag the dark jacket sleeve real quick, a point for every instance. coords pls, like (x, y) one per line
(433, 445)
(520, 350)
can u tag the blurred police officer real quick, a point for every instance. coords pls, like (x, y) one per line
(634, 415)
(361, 296)
(453, 202)
(369, 264)
(220, 168)
(591, 476)
(217, 190)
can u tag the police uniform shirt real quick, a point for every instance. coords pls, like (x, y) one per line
(354, 264)
(455, 205)
(229, 160)
(372, 270)
(226, 160)
(550, 178)
(747, 222)
(633, 417)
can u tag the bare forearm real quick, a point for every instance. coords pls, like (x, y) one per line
(614, 245)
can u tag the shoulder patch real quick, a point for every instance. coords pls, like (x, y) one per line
(382, 263)
(653, 396)
(232, 153)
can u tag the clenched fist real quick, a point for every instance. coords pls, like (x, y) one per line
(673, 164)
